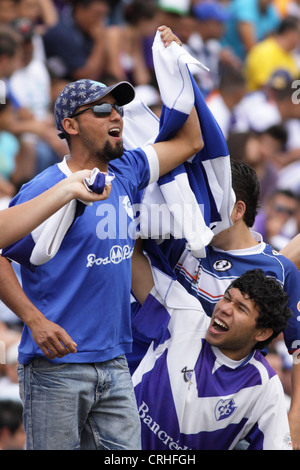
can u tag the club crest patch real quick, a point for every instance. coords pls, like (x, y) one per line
(222, 265)
(224, 409)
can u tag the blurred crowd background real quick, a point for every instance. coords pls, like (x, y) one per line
(252, 48)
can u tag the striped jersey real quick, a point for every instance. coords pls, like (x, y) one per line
(207, 278)
(191, 396)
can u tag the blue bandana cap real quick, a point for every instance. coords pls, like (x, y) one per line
(83, 92)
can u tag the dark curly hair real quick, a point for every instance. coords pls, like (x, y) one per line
(269, 297)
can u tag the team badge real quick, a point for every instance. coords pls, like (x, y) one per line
(222, 265)
(224, 409)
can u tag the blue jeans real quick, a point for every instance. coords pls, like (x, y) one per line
(79, 406)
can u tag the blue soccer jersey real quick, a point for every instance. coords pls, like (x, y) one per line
(190, 395)
(208, 278)
(85, 287)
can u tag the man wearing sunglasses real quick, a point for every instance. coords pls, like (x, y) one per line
(77, 387)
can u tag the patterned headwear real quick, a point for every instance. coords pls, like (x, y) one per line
(84, 91)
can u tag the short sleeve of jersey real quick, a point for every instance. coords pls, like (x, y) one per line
(138, 167)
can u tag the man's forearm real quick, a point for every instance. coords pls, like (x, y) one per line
(17, 221)
(12, 294)
(53, 340)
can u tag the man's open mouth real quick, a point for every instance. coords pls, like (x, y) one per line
(219, 326)
(114, 132)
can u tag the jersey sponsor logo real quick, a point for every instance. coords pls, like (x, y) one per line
(116, 255)
(222, 265)
(224, 409)
(157, 430)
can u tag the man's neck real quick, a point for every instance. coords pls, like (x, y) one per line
(236, 237)
(78, 162)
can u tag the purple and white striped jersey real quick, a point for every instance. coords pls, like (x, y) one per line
(190, 395)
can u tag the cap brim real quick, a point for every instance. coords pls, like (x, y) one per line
(123, 92)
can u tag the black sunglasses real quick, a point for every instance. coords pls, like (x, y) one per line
(102, 110)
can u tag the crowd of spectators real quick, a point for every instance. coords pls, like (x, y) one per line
(252, 48)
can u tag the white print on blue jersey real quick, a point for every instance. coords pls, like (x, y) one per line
(116, 255)
(114, 224)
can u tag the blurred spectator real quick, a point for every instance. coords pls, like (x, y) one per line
(289, 177)
(8, 11)
(273, 53)
(293, 8)
(9, 51)
(179, 7)
(174, 14)
(9, 383)
(76, 45)
(9, 145)
(258, 110)
(186, 27)
(129, 52)
(12, 435)
(272, 105)
(282, 369)
(149, 94)
(272, 141)
(204, 43)
(116, 11)
(276, 220)
(222, 102)
(252, 21)
(62, 6)
(9, 148)
(41, 13)
(9, 337)
(30, 87)
(29, 138)
(30, 84)
(172, 11)
(258, 149)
